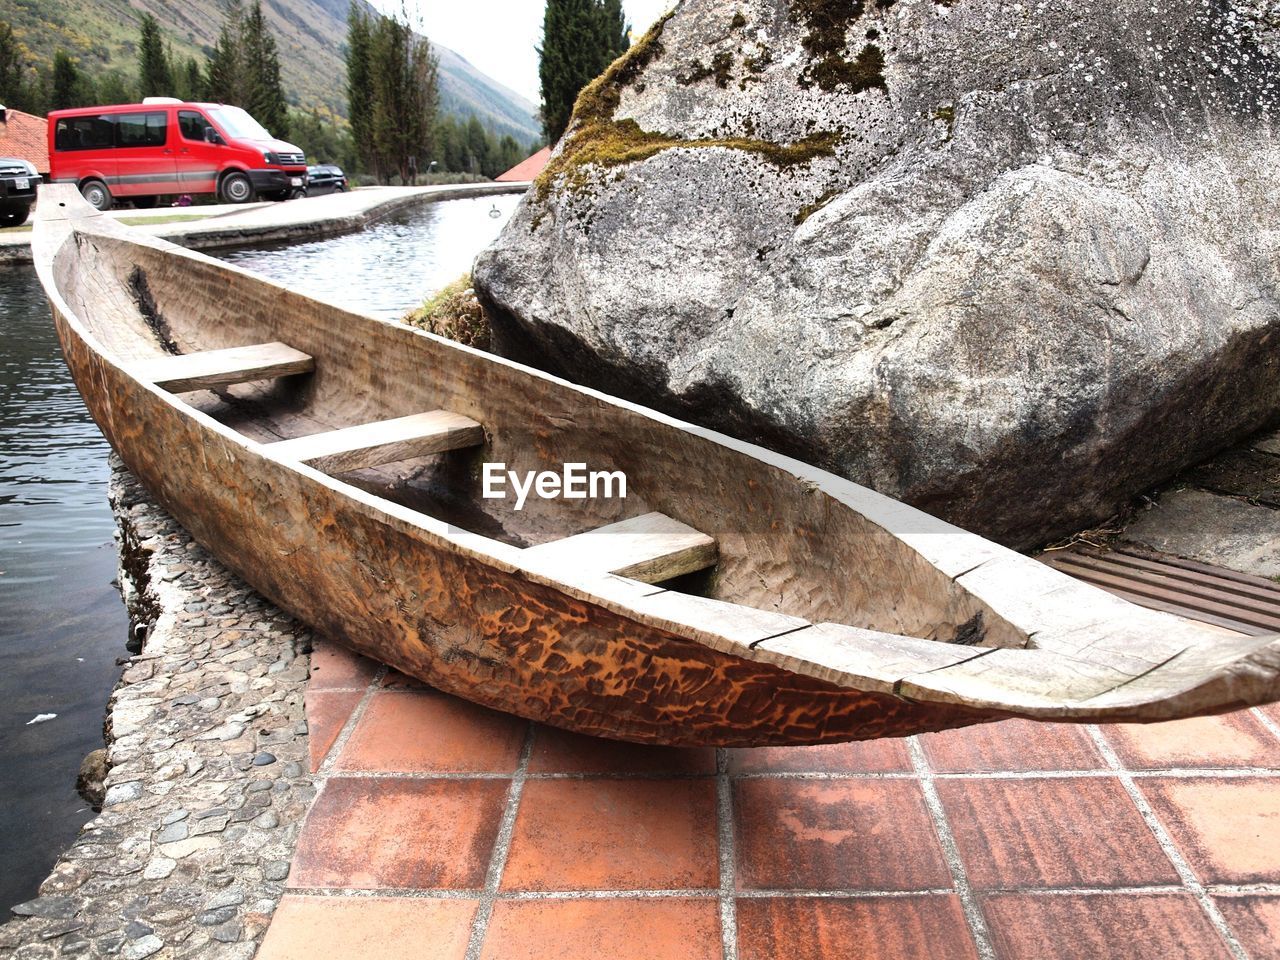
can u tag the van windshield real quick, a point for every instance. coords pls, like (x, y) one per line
(237, 124)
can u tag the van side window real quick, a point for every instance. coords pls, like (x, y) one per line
(193, 125)
(85, 133)
(141, 129)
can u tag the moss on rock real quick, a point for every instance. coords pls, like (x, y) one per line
(613, 144)
(827, 41)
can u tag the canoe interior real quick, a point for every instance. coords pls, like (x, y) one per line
(783, 545)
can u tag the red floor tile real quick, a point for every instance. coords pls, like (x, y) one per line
(867, 756)
(390, 833)
(1052, 832)
(558, 751)
(614, 835)
(1232, 740)
(836, 835)
(1228, 829)
(327, 713)
(1272, 710)
(868, 928)
(371, 928)
(421, 731)
(1114, 926)
(337, 668)
(1012, 745)
(657, 929)
(1255, 920)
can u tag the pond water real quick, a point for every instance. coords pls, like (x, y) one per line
(389, 268)
(62, 624)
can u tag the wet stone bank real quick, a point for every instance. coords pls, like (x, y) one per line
(207, 753)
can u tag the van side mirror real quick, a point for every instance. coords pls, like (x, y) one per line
(212, 136)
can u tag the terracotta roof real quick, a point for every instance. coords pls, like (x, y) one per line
(26, 136)
(527, 169)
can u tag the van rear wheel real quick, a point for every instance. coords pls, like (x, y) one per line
(237, 188)
(96, 192)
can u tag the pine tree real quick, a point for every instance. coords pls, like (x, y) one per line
(477, 145)
(225, 74)
(264, 96)
(114, 88)
(155, 79)
(579, 39)
(509, 154)
(13, 86)
(68, 86)
(189, 81)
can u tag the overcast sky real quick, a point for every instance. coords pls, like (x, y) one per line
(500, 36)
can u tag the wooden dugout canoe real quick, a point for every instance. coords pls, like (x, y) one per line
(734, 597)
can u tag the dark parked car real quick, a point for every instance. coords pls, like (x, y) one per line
(18, 181)
(325, 178)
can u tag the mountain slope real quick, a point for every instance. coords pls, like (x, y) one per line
(311, 35)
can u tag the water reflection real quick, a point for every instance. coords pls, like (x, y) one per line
(62, 624)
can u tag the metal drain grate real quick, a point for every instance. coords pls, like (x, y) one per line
(1194, 590)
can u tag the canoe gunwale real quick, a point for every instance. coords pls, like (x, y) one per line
(1172, 672)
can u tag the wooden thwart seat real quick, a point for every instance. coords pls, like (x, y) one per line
(382, 442)
(222, 368)
(651, 548)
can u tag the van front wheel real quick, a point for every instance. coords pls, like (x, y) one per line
(96, 192)
(237, 188)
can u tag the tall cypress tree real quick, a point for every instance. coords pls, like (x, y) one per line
(613, 31)
(392, 93)
(360, 99)
(579, 39)
(155, 78)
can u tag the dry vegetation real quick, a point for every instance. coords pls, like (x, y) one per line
(454, 312)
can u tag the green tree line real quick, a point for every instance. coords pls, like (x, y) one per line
(243, 69)
(393, 93)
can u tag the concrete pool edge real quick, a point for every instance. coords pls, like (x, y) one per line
(208, 781)
(315, 218)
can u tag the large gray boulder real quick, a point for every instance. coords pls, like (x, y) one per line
(1010, 262)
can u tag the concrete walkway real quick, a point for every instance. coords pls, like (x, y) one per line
(227, 225)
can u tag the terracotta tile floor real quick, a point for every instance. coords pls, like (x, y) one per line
(442, 830)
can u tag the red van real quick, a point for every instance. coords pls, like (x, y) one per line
(161, 146)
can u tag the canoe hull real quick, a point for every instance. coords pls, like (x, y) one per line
(465, 627)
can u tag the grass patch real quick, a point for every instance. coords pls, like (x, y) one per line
(455, 313)
(168, 218)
